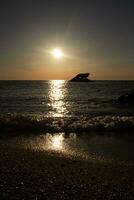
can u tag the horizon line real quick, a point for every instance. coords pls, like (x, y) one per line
(64, 79)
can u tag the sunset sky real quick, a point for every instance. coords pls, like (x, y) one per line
(94, 36)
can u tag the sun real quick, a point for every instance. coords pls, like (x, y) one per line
(57, 53)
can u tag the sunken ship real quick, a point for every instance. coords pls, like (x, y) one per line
(82, 77)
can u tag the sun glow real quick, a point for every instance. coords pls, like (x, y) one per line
(57, 53)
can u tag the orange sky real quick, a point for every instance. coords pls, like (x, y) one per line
(55, 72)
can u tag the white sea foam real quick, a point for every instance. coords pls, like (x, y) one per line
(69, 124)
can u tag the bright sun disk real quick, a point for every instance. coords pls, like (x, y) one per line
(57, 53)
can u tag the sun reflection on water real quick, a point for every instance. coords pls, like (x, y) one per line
(57, 94)
(57, 142)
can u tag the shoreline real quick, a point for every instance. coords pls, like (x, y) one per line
(31, 174)
(13, 125)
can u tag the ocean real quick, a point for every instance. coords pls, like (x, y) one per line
(87, 112)
(63, 99)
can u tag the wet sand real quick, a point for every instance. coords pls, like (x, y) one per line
(31, 174)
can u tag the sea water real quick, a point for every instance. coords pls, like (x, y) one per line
(87, 111)
(64, 99)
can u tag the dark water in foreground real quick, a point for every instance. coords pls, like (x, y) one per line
(87, 111)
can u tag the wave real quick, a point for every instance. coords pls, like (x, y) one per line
(20, 123)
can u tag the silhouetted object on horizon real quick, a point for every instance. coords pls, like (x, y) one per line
(126, 99)
(82, 77)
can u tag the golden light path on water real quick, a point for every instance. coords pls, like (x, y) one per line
(58, 108)
(57, 92)
(57, 142)
(66, 145)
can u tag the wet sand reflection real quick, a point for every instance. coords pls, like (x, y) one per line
(57, 142)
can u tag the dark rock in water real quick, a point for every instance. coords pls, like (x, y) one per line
(82, 77)
(126, 99)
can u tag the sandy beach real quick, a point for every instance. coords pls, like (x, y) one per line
(32, 174)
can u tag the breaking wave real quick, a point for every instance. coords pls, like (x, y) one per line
(19, 123)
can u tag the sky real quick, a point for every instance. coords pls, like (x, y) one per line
(95, 36)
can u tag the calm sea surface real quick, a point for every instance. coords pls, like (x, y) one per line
(62, 98)
(86, 108)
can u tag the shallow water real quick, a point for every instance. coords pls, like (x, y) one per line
(100, 146)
